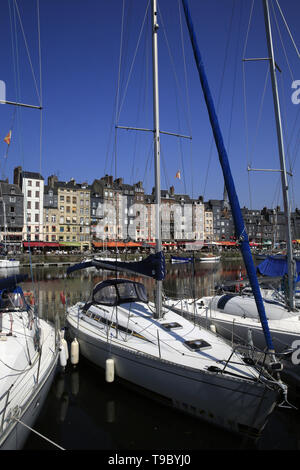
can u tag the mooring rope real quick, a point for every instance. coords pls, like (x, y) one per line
(39, 434)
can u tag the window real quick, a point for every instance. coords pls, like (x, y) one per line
(36, 218)
(29, 193)
(37, 205)
(29, 183)
(37, 184)
(37, 194)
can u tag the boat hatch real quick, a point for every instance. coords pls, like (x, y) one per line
(197, 344)
(171, 326)
(118, 291)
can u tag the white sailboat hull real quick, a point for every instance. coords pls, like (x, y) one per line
(9, 263)
(230, 402)
(233, 324)
(17, 435)
(22, 395)
(210, 259)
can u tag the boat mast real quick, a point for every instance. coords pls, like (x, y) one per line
(284, 182)
(156, 132)
(230, 187)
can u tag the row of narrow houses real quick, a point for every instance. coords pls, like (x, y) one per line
(80, 216)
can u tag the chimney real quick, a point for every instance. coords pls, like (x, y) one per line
(172, 190)
(119, 181)
(52, 180)
(18, 176)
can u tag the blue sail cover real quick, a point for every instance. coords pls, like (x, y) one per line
(153, 266)
(274, 266)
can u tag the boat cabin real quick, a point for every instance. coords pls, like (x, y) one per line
(118, 291)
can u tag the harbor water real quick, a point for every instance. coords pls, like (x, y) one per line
(84, 412)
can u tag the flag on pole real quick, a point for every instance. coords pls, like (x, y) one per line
(8, 138)
(178, 175)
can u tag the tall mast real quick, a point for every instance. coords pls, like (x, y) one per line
(284, 182)
(230, 187)
(156, 131)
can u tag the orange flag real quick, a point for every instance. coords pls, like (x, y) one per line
(8, 138)
(177, 175)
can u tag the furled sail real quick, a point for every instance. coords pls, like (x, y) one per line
(153, 266)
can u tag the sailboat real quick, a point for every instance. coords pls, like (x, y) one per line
(161, 353)
(237, 316)
(29, 349)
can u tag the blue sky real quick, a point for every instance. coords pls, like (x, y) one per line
(80, 44)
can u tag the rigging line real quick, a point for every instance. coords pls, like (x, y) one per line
(15, 56)
(118, 87)
(260, 112)
(176, 95)
(245, 102)
(170, 54)
(112, 125)
(288, 29)
(248, 29)
(27, 50)
(187, 97)
(132, 63)
(41, 86)
(234, 78)
(220, 92)
(150, 153)
(247, 133)
(141, 107)
(164, 168)
(282, 44)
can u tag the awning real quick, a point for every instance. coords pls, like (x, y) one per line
(225, 243)
(69, 244)
(40, 244)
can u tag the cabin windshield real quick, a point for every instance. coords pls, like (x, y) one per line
(118, 292)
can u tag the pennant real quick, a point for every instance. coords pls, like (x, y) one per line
(8, 138)
(178, 175)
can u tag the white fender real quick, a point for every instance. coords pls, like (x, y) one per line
(74, 352)
(109, 370)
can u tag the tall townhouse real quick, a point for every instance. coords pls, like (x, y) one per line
(208, 225)
(51, 214)
(32, 186)
(73, 201)
(11, 216)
